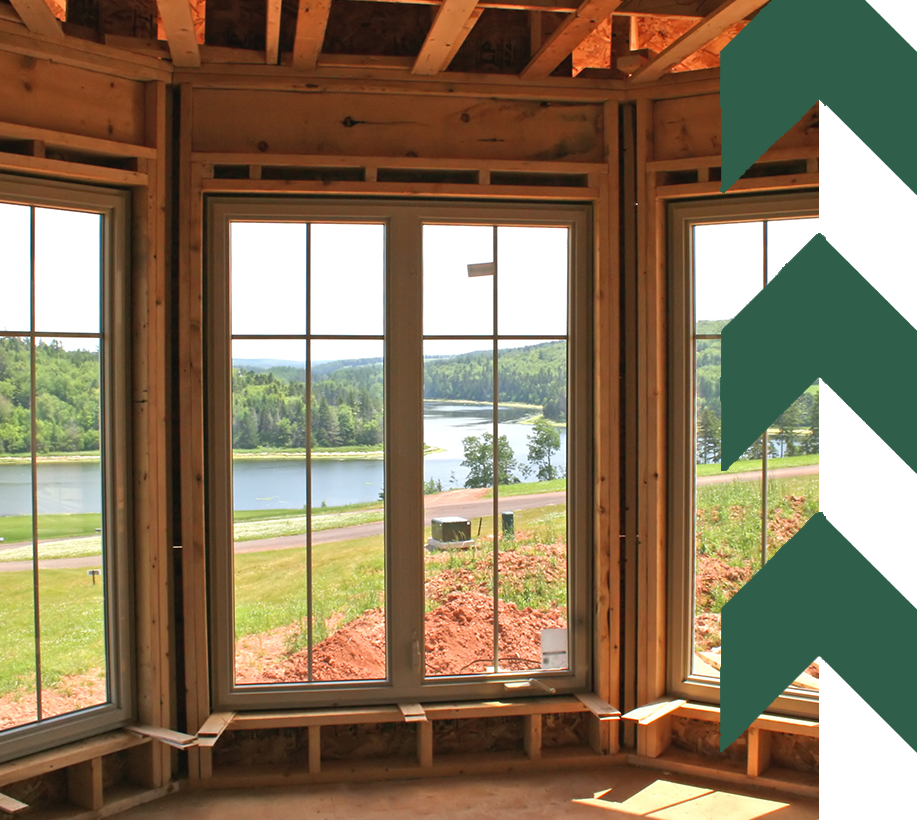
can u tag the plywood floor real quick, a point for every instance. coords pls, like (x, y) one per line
(602, 793)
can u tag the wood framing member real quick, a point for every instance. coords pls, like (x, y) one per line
(84, 784)
(272, 33)
(711, 27)
(568, 36)
(38, 17)
(449, 26)
(179, 26)
(311, 22)
(9, 805)
(413, 712)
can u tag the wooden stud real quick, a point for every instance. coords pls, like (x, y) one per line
(272, 33)
(38, 18)
(315, 749)
(311, 22)
(576, 28)
(531, 736)
(711, 27)
(450, 23)
(182, 38)
(653, 739)
(759, 751)
(84, 784)
(425, 744)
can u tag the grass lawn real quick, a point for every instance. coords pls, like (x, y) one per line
(15, 528)
(529, 487)
(753, 465)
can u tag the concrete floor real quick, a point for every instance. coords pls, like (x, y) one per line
(602, 793)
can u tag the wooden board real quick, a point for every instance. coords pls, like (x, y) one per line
(225, 120)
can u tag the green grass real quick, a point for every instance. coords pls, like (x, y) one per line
(254, 530)
(15, 528)
(71, 548)
(529, 488)
(263, 515)
(753, 465)
(72, 638)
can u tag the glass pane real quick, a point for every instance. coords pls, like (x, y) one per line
(72, 584)
(15, 239)
(268, 268)
(347, 270)
(728, 270)
(532, 281)
(459, 507)
(68, 271)
(269, 509)
(785, 238)
(17, 613)
(533, 506)
(458, 280)
(348, 542)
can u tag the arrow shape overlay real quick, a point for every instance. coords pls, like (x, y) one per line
(806, 46)
(817, 596)
(845, 332)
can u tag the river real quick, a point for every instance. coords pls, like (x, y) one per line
(265, 484)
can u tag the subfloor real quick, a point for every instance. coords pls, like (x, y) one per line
(599, 792)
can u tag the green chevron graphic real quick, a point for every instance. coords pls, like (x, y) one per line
(849, 335)
(814, 39)
(824, 585)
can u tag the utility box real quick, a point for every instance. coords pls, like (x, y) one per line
(450, 532)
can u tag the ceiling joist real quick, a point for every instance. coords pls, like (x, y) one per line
(711, 27)
(311, 22)
(450, 26)
(180, 34)
(576, 28)
(272, 32)
(38, 18)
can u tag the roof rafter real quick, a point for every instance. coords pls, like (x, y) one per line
(711, 27)
(311, 22)
(180, 34)
(576, 28)
(450, 25)
(272, 32)
(38, 18)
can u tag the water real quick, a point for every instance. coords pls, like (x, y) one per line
(260, 484)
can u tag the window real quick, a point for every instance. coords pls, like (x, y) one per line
(391, 471)
(724, 527)
(64, 649)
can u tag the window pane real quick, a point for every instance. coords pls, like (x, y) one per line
(785, 238)
(532, 280)
(347, 277)
(15, 239)
(728, 271)
(68, 271)
(268, 269)
(458, 299)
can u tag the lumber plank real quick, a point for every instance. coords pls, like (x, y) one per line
(576, 28)
(531, 736)
(38, 17)
(63, 139)
(216, 724)
(70, 170)
(759, 751)
(272, 33)
(711, 27)
(449, 24)
(599, 707)
(180, 34)
(315, 749)
(413, 712)
(654, 738)
(311, 22)
(647, 710)
(425, 745)
(84, 784)
(9, 805)
(168, 736)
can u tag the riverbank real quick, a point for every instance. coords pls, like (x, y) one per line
(52, 458)
(376, 452)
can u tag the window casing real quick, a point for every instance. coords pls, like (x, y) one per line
(757, 213)
(404, 334)
(62, 331)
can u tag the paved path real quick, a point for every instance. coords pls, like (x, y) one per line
(467, 503)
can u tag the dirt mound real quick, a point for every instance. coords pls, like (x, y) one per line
(68, 695)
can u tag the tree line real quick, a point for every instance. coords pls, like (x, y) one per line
(66, 398)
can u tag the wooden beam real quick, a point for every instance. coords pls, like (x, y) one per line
(179, 26)
(84, 784)
(311, 22)
(450, 24)
(568, 36)
(9, 805)
(272, 33)
(711, 27)
(38, 18)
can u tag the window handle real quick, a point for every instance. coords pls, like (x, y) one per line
(415, 645)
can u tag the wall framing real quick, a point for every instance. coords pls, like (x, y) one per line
(648, 145)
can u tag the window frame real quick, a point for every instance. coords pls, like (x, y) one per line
(114, 208)
(403, 335)
(682, 216)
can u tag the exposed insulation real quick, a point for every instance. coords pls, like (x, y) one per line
(703, 737)
(499, 43)
(389, 29)
(565, 729)
(49, 790)
(236, 23)
(657, 33)
(499, 734)
(262, 746)
(794, 752)
(382, 741)
(114, 769)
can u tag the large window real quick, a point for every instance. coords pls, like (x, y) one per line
(64, 646)
(398, 509)
(725, 526)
